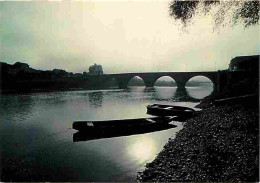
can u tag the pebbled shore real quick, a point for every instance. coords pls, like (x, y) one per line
(220, 144)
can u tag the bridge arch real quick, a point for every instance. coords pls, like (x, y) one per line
(199, 79)
(165, 81)
(135, 81)
(181, 78)
(199, 87)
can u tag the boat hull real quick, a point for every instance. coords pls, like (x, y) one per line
(168, 110)
(111, 132)
(120, 124)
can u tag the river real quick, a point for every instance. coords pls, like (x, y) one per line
(37, 138)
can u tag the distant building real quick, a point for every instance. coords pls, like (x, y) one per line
(244, 63)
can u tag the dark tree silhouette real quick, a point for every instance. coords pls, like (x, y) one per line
(95, 69)
(225, 12)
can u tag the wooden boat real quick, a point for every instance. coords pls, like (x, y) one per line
(169, 110)
(120, 124)
(111, 132)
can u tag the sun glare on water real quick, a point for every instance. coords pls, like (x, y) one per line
(143, 149)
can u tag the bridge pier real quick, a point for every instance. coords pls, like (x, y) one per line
(122, 82)
(122, 85)
(149, 80)
(181, 85)
(149, 83)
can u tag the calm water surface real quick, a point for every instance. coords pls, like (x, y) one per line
(36, 135)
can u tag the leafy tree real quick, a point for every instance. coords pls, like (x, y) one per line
(95, 69)
(59, 73)
(222, 12)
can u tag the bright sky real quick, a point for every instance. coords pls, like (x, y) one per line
(128, 36)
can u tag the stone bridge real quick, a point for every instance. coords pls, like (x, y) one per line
(149, 78)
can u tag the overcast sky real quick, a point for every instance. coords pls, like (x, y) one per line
(126, 36)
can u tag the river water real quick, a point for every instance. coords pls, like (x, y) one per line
(37, 135)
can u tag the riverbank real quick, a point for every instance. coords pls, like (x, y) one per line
(220, 144)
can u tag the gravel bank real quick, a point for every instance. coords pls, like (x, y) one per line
(220, 144)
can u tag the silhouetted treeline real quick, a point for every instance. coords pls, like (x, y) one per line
(20, 77)
(22, 71)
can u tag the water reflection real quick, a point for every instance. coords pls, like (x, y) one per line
(201, 91)
(136, 88)
(165, 92)
(192, 94)
(136, 92)
(96, 99)
(182, 95)
(143, 149)
(171, 94)
(19, 107)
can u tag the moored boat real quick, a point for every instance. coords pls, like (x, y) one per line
(120, 124)
(111, 132)
(169, 110)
